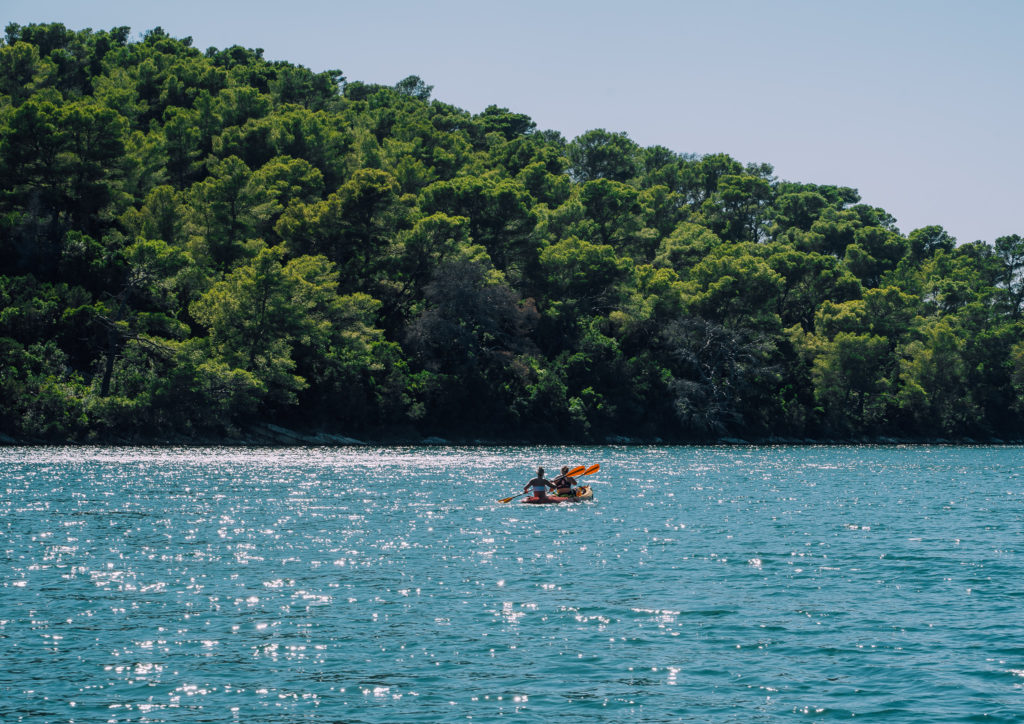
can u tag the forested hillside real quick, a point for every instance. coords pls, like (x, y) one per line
(195, 242)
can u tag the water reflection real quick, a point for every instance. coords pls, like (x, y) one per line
(389, 585)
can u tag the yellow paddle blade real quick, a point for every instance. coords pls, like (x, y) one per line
(592, 469)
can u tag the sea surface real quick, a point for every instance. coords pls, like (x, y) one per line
(719, 584)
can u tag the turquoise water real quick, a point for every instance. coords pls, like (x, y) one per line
(731, 584)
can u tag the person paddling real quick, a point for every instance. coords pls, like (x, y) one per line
(564, 483)
(540, 485)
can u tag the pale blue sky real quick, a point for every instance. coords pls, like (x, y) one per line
(916, 103)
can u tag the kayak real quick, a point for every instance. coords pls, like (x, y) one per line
(582, 493)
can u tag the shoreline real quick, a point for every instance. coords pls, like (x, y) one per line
(271, 435)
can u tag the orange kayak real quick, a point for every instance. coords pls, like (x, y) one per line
(582, 493)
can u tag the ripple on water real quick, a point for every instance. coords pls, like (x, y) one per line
(387, 584)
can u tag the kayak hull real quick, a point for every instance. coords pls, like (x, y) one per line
(584, 493)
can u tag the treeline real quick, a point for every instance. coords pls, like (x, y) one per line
(195, 242)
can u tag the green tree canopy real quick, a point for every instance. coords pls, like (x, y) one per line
(195, 242)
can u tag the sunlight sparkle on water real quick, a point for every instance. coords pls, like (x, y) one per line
(388, 584)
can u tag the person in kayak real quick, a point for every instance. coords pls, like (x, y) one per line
(540, 485)
(564, 483)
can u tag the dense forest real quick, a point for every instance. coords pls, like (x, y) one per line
(194, 244)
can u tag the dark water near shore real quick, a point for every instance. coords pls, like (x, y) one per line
(727, 584)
